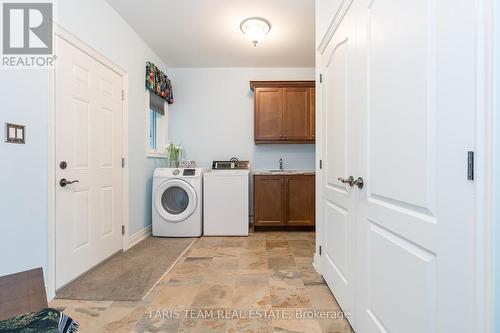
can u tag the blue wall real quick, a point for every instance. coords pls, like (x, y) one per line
(23, 171)
(213, 116)
(496, 167)
(111, 36)
(23, 168)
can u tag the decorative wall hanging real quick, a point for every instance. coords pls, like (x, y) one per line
(158, 83)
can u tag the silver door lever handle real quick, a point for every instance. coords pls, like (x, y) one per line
(359, 183)
(349, 180)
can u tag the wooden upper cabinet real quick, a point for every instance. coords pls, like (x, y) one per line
(312, 113)
(268, 114)
(297, 114)
(283, 111)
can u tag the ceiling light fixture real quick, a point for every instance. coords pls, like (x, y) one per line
(255, 28)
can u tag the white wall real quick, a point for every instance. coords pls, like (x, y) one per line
(24, 100)
(213, 116)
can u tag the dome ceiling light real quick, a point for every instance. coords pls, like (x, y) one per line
(255, 28)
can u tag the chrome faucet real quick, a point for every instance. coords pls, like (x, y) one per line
(281, 164)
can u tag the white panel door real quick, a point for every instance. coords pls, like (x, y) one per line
(415, 213)
(339, 146)
(88, 136)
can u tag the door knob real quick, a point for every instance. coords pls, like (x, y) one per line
(349, 180)
(63, 182)
(359, 183)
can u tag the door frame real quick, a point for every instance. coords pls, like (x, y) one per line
(483, 147)
(484, 173)
(52, 165)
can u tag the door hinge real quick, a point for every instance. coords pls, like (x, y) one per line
(470, 165)
(320, 250)
(123, 162)
(321, 78)
(321, 164)
(123, 95)
(123, 230)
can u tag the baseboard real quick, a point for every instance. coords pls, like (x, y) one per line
(139, 236)
(283, 228)
(316, 263)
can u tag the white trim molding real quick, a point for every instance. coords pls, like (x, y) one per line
(334, 24)
(161, 131)
(484, 178)
(75, 41)
(317, 263)
(139, 236)
(494, 316)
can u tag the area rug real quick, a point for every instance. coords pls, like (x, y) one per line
(128, 276)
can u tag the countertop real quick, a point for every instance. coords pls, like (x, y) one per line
(286, 172)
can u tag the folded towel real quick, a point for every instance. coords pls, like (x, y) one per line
(187, 164)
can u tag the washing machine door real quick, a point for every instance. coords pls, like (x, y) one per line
(175, 200)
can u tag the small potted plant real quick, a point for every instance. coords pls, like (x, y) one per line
(174, 153)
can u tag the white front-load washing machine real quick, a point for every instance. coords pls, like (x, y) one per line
(177, 202)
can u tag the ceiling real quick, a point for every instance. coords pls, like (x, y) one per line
(206, 33)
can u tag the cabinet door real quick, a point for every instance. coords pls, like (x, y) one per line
(268, 200)
(297, 119)
(300, 200)
(268, 114)
(312, 113)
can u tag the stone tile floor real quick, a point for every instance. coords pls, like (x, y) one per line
(263, 283)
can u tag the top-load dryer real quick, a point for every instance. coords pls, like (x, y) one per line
(226, 199)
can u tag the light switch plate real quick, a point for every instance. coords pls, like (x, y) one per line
(15, 133)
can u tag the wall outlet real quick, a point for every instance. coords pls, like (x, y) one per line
(15, 133)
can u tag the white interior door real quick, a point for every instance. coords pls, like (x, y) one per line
(398, 106)
(339, 147)
(416, 222)
(89, 139)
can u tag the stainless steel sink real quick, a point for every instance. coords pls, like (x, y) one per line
(283, 172)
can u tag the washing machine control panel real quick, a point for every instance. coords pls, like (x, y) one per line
(231, 165)
(178, 172)
(185, 172)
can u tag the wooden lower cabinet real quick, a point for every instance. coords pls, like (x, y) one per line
(300, 203)
(284, 201)
(268, 200)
